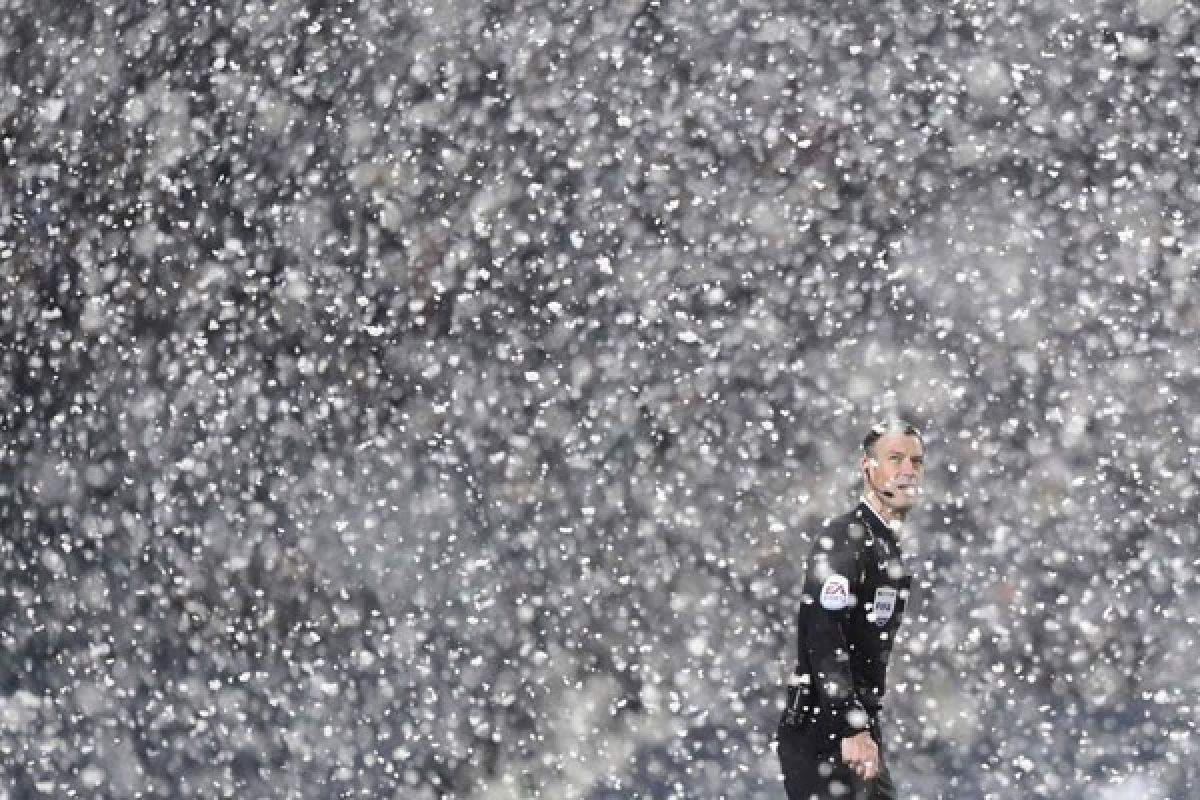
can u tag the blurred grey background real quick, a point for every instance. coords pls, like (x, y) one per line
(436, 399)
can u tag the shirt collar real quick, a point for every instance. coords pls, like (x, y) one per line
(876, 515)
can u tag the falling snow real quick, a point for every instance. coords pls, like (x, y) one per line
(434, 400)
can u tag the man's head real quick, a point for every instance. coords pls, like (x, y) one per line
(893, 465)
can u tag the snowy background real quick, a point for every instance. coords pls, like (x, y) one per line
(435, 399)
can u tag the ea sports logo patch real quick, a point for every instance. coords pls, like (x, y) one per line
(835, 593)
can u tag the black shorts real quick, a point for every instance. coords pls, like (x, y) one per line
(813, 768)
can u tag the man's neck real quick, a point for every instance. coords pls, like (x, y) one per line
(885, 514)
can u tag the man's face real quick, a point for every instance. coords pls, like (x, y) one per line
(895, 469)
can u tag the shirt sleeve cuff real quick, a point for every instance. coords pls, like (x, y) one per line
(854, 721)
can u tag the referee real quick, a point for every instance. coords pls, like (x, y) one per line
(855, 590)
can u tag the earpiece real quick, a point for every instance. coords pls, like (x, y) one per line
(870, 481)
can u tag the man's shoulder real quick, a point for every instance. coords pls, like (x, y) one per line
(857, 517)
(849, 529)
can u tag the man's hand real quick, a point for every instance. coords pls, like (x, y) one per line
(861, 755)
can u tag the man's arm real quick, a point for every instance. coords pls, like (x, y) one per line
(831, 586)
